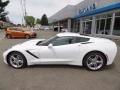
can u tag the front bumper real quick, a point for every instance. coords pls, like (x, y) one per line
(5, 57)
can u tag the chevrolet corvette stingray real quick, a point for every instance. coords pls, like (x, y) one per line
(65, 48)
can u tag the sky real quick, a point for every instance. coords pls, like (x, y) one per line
(36, 8)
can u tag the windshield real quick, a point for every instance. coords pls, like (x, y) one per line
(48, 41)
(27, 29)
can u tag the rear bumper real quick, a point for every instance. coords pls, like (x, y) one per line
(34, 35)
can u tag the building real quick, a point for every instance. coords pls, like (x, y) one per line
(91, 17)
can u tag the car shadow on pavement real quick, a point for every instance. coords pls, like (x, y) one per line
(110, 66)
(56, 66)
(19, 38)
(107, 68)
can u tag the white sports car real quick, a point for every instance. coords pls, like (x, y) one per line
(64, 48)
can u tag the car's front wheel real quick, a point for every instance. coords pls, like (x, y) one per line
(94, 61)
(17, 60)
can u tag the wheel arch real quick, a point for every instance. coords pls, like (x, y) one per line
(8, 34)
(26, 34)
(106, 57)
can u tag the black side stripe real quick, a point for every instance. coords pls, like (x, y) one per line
(86, 42)
(32, 54)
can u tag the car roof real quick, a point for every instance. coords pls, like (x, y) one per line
(19, 28)
(68, 34)
(72, 34)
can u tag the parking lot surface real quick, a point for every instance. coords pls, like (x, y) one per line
(56, 77)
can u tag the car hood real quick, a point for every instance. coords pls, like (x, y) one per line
(28, 44)
(33, 42)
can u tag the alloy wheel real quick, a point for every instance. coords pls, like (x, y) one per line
(16, 61)
(95, 62)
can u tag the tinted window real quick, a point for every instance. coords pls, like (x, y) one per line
(18, 29)
(57, 41)
(81, 39)
(12, 28)
(47, 42)
(63, 41)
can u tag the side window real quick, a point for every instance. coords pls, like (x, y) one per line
(14, 29)
(57, 41)
(17, 29)
(10, 28)
(63, 41)
(81, 39)
(47, 42)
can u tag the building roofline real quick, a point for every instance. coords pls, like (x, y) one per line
(60, 10)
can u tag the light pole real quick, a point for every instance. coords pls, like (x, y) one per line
(24, 12)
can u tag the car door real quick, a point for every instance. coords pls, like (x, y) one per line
(20, 32)
(66, 48)
(63, 50)
(44, 53)
(15, 32)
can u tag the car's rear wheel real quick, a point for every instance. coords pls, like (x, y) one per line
(27, 36)
(8, 36)
(94, 61)
(17, 60)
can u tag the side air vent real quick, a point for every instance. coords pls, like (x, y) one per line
(32, 54)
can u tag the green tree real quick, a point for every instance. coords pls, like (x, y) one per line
(30, 21)
(44, 20)
(2, 10)
(38, 21)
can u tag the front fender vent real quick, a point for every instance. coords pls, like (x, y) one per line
(32, 54)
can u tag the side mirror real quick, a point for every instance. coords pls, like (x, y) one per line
(50, 45)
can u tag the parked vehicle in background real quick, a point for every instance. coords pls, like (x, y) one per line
(64, 30)
(57, 28)
(36, 29)
(16, 32)
(46, 28)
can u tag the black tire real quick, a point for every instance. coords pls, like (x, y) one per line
(8, 36)
(10, 62)
(27, 36)
(101, 61)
